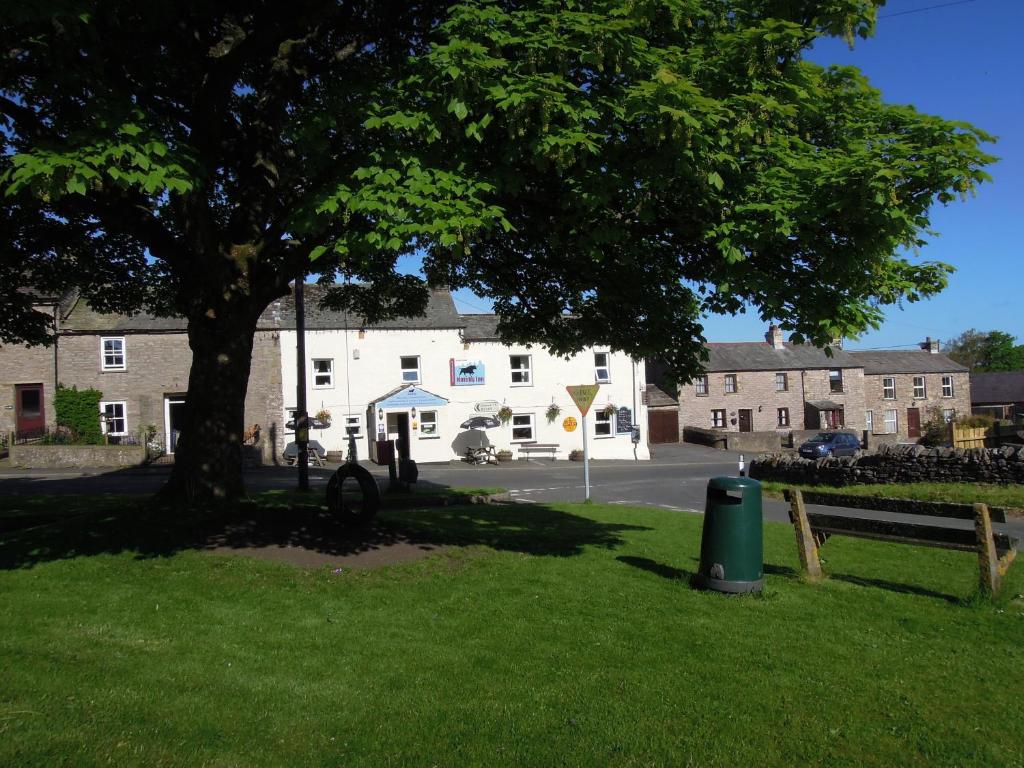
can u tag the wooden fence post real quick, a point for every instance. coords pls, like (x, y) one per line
(806, 546)
(988, 558)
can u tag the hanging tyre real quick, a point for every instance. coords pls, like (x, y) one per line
(352, 495)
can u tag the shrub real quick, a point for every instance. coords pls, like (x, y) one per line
(935, 431)
(78, 412)
(575, 455)
(977, 421)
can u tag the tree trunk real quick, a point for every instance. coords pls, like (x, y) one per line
(208, 455)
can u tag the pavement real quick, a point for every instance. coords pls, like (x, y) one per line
(675, 478)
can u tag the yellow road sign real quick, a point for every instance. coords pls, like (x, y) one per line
(583, 395)
(569, 424)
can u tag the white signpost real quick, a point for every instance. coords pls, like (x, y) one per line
(583, 395)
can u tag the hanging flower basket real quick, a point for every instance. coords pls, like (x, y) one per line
(504, 414)
(552, 413)
(609, 410)
(324, 417)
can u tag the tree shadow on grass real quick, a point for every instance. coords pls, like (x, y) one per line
(142, 527)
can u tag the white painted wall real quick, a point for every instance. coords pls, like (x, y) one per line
(369, 368)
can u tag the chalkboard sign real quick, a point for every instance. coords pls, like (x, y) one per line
(623, 421)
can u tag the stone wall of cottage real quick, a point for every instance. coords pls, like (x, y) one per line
(898, 464)
(875, 401)
(25, 365)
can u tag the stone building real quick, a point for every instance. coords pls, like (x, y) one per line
(903, 389)
(774, 386)
(28, 379)
(998, 394)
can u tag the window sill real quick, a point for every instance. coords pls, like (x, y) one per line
(604, 437)
(323, 386)
(524, 384)
(429, 437)
(113, 370)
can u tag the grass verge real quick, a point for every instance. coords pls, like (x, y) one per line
(1011, 496)
(543, 635)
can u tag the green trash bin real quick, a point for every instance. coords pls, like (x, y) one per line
(732, 543)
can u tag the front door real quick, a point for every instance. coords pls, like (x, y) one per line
(398, 430)
(174, 419)
(913, 422)
(746, 420)
(29, 418)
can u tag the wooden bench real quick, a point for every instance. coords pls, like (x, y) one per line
(995, 550)
(529, 448)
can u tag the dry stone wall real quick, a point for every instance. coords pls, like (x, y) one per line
(898, 464)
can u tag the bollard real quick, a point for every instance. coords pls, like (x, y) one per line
(743, 467)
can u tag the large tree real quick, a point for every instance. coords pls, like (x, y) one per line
(606, 170)
(991, 351)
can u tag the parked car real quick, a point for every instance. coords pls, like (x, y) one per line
(830, 444)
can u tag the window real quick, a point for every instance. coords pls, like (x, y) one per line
(783, 416)
(948, 414)
(112, 354)
(602, 373)
(947, 386)
(112, 418)
(919, 387)
(835, 380)
(522, 427)
(428, 423)
(889, 388)
(781, 382)
(701, 386)
(730, 383)
(323, 374)
(718, 419)
(891, 422)
(520, 365)
(869, 421)
(410, 369)
(354, 426)
(602, 424)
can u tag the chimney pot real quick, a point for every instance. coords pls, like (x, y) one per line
(774, 336)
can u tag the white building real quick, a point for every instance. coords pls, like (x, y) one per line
(426, 377)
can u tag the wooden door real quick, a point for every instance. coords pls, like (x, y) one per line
(746, 420)
(913, 422)
(663, 426)
(29, 417)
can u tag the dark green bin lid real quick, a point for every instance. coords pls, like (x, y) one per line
(724, 483)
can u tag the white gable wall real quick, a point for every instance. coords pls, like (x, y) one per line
(370, 369)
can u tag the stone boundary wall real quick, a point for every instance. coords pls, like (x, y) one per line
(708, 437)
(74, 456)
(898, 464)
(754, 442)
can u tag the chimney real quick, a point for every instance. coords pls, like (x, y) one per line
(932, 345)
(774, 336)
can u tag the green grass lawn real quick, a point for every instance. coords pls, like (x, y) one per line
(565, 635)
(961, 493)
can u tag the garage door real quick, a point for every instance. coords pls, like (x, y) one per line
(663, 426)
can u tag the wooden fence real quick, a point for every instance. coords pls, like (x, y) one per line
(986, 437)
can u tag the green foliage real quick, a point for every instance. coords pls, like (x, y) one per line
(79, 413)
(991, 351)
(504, 414)
(977, 421)
(935, 431)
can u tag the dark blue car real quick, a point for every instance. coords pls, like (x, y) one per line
(830, 444)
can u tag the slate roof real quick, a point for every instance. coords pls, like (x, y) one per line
(906, 361)
(483, 327)
(762, 356)
(84, 319)
(656, 397)
(997, 388)
(440, 313)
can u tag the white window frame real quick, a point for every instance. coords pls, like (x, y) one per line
(714, 418)
(734, 380)
(947, 384)
(895, 421)
(781, 378)
(887, 387)
(105, 424)
(402, 367)
(869, 421)
(431, 431)
(604, 424)
(779, 413)
(923, 388)
(602, 372)
(329, 372)
(700, 386)
(530, 424)
(525, 372)
(354, 420)
(838, 378)
(104, 365)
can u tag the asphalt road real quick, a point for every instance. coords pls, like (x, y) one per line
(675, 478)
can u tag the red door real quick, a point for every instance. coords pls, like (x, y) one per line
(913, 422)
(663, 426)
(746, 420)
(29, 419)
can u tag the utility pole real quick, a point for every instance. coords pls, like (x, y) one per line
(301, 417)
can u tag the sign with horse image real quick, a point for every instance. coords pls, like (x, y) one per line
(467, 373)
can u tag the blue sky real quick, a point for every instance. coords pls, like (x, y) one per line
(963, 61)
